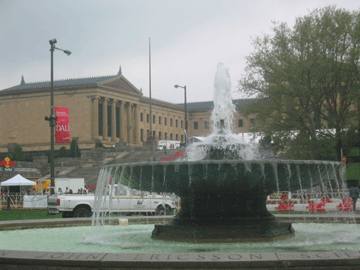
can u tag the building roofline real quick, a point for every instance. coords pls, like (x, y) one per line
(59, 83)
(161, 102)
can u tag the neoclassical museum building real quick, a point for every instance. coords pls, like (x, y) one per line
(108, 108)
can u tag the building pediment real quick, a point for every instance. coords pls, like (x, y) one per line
(122, 84)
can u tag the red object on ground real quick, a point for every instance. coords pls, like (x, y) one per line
(346, 205)
(285, 207)
(316, 207)
(326, 200)
(179, 154)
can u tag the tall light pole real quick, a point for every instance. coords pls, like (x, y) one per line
(359, 132)
(186, 123)
(150, 101)
(52, 117)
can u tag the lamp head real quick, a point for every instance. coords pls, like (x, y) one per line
(176, 86)
(67, 52)
(52, 41)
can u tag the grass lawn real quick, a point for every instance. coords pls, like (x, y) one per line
(20, 214)
(353, 169)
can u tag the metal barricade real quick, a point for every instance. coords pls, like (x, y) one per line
(16, 200)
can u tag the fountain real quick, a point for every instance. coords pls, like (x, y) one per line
(223, 187)
(222, 184)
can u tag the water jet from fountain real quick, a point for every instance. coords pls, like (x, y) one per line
(223, 184)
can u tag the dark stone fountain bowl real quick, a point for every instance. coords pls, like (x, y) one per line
(225, 200)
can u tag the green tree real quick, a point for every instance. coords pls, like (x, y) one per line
(305, 80)
(18, 153)
(74, 149)
(63, 152)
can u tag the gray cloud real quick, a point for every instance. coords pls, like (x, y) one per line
(188, 39)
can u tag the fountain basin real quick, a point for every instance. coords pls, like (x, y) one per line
(199, 256)
(223, 200)
(225, 231)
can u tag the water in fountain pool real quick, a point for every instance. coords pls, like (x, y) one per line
(136, 239)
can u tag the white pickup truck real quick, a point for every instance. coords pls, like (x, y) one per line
(125, 201)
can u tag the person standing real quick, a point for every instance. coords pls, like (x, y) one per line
(354, 195)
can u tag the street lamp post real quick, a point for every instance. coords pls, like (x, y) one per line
(186, 123)
(52, 117)
(359, 132)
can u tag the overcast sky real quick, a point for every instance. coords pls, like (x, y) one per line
(188, 39)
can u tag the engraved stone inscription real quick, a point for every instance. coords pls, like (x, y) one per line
(75, 256)
(318, 255)
(191, 257)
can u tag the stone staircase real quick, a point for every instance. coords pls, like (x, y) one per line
(90, 174)
(144, 156)
(90, 170)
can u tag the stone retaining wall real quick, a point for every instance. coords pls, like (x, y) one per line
(39, 260)
(26, 260)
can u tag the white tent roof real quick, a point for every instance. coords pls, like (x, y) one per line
(17, 180)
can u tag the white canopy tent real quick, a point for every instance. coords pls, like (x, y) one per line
(17, 180)
(25, 201)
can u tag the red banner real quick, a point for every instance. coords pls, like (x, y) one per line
(62, 128)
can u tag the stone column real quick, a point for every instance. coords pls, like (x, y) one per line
(137, 123)
(129, 122)
(95, 117)
(105, 119)
(113, 120)
(122, 122)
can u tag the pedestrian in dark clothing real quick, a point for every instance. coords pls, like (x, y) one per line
(354, 195)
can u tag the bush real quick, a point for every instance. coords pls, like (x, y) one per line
(63, 152)
(74, 149)
(98, 143)
(18, 153)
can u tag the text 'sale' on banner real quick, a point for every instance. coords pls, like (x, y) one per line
(62, 128)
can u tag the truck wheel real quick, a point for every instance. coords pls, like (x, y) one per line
(81, 212)
(66, 214)
(160, 211)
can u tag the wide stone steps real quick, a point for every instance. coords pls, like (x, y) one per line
(90, 171)
(144, 156)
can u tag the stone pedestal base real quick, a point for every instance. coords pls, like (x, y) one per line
(224, 231)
